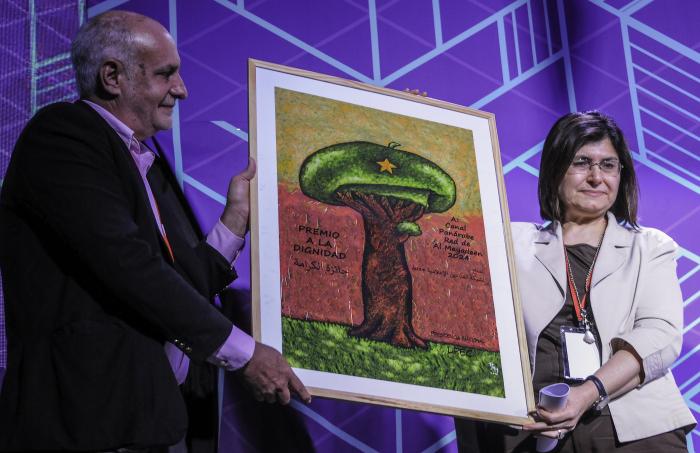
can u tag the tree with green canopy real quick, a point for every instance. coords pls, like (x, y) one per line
(391, 189)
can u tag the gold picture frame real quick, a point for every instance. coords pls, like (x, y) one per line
(381, 253)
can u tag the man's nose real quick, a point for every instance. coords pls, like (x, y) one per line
(179, 90)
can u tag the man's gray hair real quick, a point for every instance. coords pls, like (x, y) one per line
(106, 36)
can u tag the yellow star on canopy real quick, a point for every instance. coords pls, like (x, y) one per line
(387, 166)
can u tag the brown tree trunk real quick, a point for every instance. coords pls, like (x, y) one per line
(386, 280)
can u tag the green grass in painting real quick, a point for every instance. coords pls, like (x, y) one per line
(327, 347)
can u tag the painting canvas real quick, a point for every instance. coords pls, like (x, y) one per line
(374, 264)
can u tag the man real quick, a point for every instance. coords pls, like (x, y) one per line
(107, 281)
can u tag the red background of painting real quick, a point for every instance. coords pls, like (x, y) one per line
(446, 309)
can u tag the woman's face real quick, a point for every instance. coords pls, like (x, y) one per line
(588, 193)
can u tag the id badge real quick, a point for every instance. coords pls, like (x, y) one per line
(581, 359)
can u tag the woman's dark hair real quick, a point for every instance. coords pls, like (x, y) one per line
(567, 136)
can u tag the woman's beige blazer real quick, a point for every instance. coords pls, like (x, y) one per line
(635, 298)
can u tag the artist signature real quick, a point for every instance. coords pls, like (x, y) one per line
(461, 351)
(317, 266)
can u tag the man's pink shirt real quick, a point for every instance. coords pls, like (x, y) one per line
(239, 346)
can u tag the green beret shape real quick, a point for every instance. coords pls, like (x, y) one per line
(354, 166)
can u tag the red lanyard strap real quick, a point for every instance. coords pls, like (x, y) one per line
(580, 303)
(163, 234)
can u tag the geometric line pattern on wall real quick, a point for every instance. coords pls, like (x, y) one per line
(36, 71)
(522, 37)
(659, 67)
(51, 75)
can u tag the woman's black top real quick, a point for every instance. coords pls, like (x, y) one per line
(548, 359)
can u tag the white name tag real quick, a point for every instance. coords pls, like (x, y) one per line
(581, 359)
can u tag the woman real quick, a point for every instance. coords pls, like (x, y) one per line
(593, 275)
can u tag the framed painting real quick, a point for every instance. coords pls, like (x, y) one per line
(381, 256)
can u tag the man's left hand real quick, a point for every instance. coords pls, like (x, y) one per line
(237, 210)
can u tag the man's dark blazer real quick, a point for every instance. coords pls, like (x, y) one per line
(91, 294)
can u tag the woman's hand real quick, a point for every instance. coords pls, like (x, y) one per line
(619, 375)
(554, 424)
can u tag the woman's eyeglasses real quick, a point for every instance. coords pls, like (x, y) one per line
(607, 166)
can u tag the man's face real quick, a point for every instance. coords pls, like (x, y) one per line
(152, 83)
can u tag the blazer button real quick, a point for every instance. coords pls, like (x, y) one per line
(188, 349)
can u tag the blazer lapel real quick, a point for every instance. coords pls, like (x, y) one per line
(549, 252)
(175, 186)
(613, 251)
(146, 219)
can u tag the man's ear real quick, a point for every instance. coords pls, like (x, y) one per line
(110, 77)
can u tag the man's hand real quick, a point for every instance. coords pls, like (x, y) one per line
(271, 378)
(237, 210)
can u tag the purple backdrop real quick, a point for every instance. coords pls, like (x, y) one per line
(527, 61)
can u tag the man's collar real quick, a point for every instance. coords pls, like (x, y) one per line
(124, 131)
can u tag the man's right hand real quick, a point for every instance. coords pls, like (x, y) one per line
(237, 209)
(271, 378)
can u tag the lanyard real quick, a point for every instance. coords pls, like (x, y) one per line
(163, 234)
(154, 203)
(580, 303)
